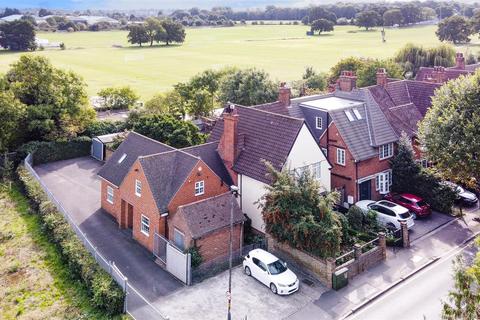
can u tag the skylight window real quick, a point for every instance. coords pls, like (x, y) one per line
(357, 114)
(122, 158)
(349, 115)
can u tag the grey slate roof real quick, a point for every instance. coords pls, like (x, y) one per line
(166, 172)
(209, 215)
(208, 153)
(264, 136)
(134, 146)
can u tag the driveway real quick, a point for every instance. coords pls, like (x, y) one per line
(424, 226)
(76, 186)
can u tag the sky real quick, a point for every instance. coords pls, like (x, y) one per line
(157, 4)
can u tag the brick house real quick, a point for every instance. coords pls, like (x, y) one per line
(247, 137)
(145, 182)
(357, 128)
(442, 74)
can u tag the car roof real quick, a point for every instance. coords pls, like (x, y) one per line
(392, 206)
(411, 197)
(263, 255)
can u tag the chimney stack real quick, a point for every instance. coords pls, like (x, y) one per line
(439, 75)
(347, 81)
(382, 77)
(284, 94)
(460, 61)
(228, 146)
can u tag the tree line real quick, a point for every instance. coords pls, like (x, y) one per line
(156, 30)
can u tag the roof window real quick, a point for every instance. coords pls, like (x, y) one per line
(357, 114)
(122, 158)
(349, 115)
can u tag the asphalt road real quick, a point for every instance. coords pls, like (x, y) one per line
(420, 296)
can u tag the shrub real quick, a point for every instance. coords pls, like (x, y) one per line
(105, 294)
(98, 128)
(49, 151)
(355, 218)
(196, 256)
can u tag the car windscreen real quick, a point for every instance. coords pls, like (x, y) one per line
(277, 267)
(404, 215)
(421, 203)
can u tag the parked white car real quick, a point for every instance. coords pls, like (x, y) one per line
(270, 271)
(389, 214)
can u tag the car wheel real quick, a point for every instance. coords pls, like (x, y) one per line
(391, 226)
(247, 271)
(273, 288)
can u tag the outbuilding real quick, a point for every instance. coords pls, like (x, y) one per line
(100, 145)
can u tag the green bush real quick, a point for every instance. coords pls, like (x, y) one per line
(49, 151)
(355, 218)
(104, 292)
(196, 256)
(98, 128)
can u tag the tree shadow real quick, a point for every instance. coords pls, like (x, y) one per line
(322, 35)
(155, 46)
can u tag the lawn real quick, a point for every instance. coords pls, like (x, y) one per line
(106, 59)
(34, 282)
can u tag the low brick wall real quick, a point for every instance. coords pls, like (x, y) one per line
(321, 269)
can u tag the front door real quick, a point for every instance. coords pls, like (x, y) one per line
(366, 190)
(130, 216)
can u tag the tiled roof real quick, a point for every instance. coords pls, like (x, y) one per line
(266, 136)
(424, 73)
(208, 153)
(209, 215)
(166, 172)
(134, 146)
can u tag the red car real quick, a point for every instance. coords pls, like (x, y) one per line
(416, 205)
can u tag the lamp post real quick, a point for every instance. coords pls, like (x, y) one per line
(234, 191)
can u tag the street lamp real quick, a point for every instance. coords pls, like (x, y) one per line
(234, 192)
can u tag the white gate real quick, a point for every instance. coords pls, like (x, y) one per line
(176, 262)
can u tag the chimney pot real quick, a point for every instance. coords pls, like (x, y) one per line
(284, 94)
(382, 79)
(347, 81)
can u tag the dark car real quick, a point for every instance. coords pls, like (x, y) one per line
(416, 205)
(463, 196)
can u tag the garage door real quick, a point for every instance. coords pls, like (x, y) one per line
(97, 149)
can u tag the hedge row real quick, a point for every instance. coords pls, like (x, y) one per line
(49, 151)
(105, 293)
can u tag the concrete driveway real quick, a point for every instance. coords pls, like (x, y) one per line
(424, 226)
(76, 186)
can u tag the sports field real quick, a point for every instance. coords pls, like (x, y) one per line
(106, 59)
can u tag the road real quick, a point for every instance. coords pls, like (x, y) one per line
(420, 296)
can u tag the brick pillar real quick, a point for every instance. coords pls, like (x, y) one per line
(460, 61)
(284, 94)
(405, 235)
(357, 251)
(347, 81)
(382, 243)
(382, 77)
(330, 270)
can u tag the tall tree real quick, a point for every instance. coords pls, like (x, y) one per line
(118, 98)
(174, 32)
(456, 29)
(367, 74)
(411, 13)
(248, 87)
(450, 130)
(56, 100)
(346, 64)
(316, 13)
(18, 35)
(154, 29)
(367, 19)
(322, 25)
(411, 57)
(137, 34)
(393, 17)
(12, 113)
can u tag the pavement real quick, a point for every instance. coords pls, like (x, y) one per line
(75, 184)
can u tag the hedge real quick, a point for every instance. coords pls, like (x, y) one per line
(49, 151)
(104, 292)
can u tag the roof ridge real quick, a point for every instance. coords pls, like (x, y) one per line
(157, 154)
(203, 200)
(148, 138)
(269, 112)
(199, 145)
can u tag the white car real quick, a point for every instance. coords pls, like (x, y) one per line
(270, 271)
(389, 214)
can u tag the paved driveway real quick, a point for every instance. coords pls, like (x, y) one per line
(76, 186)
(424, 226)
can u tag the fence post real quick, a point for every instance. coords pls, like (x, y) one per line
(330, 271)
(382, 243)
(405, 235)
(189, 269)
(357, 251)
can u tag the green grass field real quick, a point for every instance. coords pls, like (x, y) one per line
(281, 50)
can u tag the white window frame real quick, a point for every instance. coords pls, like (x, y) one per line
(385, 151)
(341, 154)
(110, 195)
(383, 182)
(199, 188)
(316, 169)
(357, 114)
(349, 115)
(138, 188)
(319, 122)
(145, 225)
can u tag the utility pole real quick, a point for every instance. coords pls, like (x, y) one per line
(234, 191)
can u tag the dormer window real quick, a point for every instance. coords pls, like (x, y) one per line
(319, 122)
(122, 158)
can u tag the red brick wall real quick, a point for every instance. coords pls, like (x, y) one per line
(186, 193)
(141, 205)
(346, 176)
(113, 209)
(217, 244)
